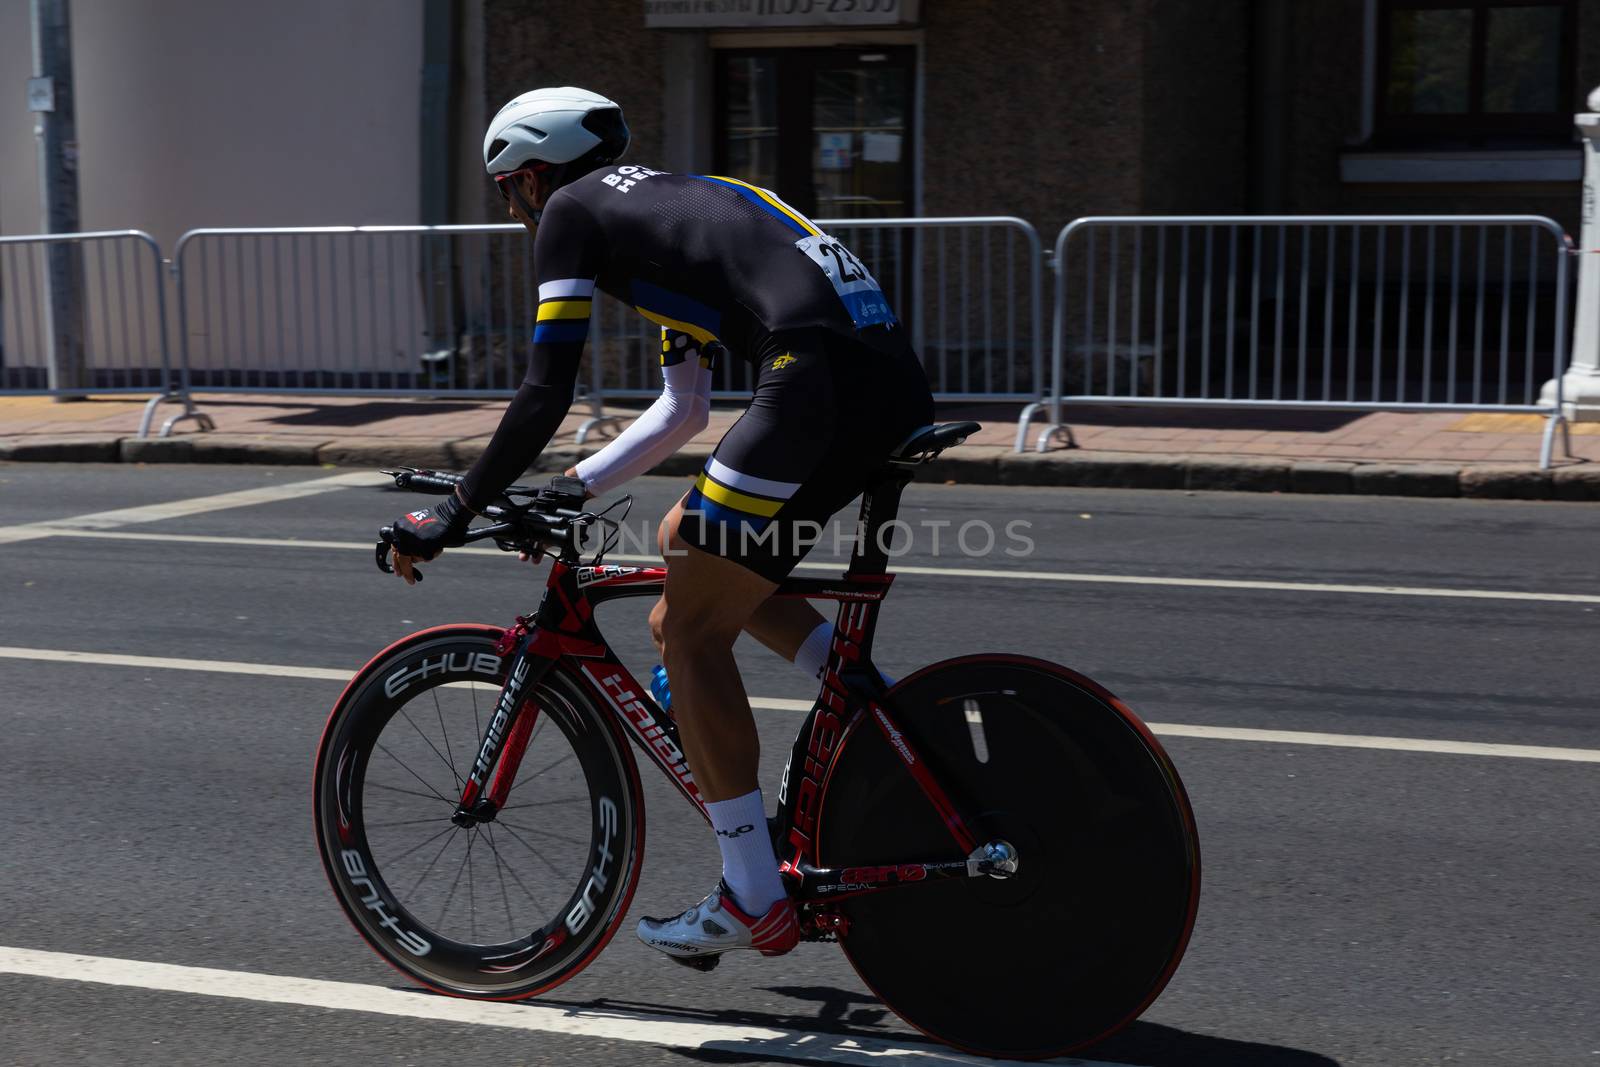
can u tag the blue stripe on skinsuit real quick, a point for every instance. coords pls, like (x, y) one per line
(758, 202)
(555, 331)
(718, 515)
(676, 306)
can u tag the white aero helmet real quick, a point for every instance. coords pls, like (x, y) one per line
(554, 126)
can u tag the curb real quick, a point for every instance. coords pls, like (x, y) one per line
(963, 466)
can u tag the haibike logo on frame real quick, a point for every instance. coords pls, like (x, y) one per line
(627, 702)
(497, 725)
(356, 869)
(454, 662)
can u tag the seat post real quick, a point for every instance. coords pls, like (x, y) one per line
(880, 504)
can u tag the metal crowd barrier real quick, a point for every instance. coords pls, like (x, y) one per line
(86, 314)
(355, 310)
(450, 310)
(1360, 313)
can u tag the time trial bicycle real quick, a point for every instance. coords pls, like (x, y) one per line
(1002, 849)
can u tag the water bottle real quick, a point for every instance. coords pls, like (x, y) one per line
(659, 688)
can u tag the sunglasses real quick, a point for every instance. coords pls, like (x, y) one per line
(505, 182)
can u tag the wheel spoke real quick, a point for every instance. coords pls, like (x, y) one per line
(505, 898)
(385, 750)
(448, 897)
(431, 863)
(546, 833)
(542, 770)
(449, 766)
(523, 842)
(547, 803)
(409, 792)
(401, 822)
(472, 892)
(476, 725)
(445, 730)
(513, 873)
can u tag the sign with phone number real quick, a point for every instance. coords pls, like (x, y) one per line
(711, 14)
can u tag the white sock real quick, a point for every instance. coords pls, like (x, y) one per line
(813, 652)
(749, 866)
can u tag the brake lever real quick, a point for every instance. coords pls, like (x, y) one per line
(386, 534)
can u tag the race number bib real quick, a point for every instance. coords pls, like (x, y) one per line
(857, 289)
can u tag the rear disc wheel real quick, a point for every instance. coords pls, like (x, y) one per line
(1085, 935)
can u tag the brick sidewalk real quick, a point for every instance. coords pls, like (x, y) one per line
(1434, 454)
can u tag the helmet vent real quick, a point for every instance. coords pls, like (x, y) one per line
(500, 145)
(536, 131)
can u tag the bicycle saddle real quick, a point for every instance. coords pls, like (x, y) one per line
(929, 441)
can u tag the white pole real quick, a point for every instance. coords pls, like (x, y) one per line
(1581, 383)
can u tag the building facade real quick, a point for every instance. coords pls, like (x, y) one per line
(1055, 110)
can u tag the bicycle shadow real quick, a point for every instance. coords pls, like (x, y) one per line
(847, 1028)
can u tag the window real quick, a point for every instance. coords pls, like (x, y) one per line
(1475, 73)
(828, 129)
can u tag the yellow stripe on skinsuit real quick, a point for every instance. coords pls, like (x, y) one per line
(697, 332)
(800, 220)
(564, 309)
(731, 498)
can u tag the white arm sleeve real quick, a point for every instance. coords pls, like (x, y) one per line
(682, 410)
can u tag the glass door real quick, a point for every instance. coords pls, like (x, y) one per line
(828, 129)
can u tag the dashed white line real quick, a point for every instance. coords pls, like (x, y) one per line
(1168, 729)
(175, 509)
(214, 666)
(609, 1024)
(1392, 744)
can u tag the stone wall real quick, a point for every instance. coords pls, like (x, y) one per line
(596, 44)
(1032, 109)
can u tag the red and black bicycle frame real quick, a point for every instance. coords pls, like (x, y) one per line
(851, 698)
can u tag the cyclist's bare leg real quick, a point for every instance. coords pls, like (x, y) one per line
(783, 625)
(780, 625)
(707, 601)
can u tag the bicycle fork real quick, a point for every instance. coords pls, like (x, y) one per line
(504, 742)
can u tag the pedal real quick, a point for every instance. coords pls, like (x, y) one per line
(698, 963)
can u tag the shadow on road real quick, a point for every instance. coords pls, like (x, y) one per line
(849, 1023)
(1154, 1045)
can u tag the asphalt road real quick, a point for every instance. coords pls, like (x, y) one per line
(1361, 906)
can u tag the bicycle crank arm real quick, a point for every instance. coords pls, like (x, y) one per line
(996, 859)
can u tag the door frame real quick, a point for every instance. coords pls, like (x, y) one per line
(796, 68)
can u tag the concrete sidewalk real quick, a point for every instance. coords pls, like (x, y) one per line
(1434, 454)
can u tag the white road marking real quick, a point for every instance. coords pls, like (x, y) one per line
(175, 509)
(609, 1024)
(49, 530)
(1168, 729)
(214, 666)
(1393, 744)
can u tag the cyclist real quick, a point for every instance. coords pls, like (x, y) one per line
(723, 267)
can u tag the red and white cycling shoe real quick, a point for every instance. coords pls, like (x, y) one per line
(700, 936)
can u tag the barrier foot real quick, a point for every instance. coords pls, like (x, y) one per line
(589, 424)
(1547, 446)
(1050, 433)
(1023, 421)
(189, 412)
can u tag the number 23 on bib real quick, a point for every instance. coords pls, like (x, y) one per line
(857, 289)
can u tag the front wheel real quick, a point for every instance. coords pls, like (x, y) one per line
(496, 909)
(1085, 935)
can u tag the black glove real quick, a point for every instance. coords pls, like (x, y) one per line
(428, 532)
